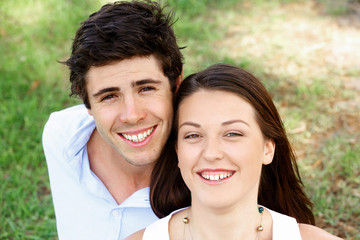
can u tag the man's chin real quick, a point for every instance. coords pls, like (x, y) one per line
(141, 163)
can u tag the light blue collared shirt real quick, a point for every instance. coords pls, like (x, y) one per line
(84, 207)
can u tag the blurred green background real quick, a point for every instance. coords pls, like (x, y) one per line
(307, 53)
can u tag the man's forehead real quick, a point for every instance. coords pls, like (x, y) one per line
(133, 72)
(129, 66)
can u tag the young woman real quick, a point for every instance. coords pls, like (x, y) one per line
(229, 158)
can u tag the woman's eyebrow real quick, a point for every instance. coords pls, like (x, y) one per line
(235, 121)
(190, 124)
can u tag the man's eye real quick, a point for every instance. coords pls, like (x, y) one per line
(146, 89)
(108, 97)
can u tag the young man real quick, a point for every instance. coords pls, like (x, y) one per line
(125, 65)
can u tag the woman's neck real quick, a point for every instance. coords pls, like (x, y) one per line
(223, 223)
(235, 222)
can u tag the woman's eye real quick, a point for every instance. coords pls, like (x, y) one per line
(234, 134)
(191, 136)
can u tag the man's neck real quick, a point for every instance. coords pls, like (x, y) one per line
(120, 178)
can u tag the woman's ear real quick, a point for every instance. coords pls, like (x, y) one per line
(269, 151)
(176, 150)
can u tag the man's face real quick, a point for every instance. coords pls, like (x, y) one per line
(131, 103)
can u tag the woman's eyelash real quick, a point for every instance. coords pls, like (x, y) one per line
(189, 136)
(234, 134)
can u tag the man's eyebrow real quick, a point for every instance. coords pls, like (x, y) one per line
(235, 121)
(190, 124)
(134, 84)
(145, 81)
(105, 90)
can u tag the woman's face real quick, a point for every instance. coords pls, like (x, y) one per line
(221, 148)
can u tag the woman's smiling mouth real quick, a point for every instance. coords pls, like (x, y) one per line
(215, 175)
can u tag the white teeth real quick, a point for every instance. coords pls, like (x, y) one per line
(140, 137)
(216, 177)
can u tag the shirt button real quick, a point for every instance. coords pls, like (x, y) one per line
(116, 213)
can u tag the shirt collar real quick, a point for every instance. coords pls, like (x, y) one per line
(79, 140)
(74, 156)
(140, 198)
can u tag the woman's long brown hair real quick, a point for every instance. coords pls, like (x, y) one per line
(280, 189)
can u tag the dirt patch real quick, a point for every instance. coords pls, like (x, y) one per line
(294, 39)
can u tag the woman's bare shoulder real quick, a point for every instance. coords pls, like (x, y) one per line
(310, 232)
(136, 236)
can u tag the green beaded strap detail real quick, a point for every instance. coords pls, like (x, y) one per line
(261, 209)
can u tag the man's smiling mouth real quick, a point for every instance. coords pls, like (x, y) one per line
(138, 137)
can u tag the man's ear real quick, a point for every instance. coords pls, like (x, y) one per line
(179, 80)
(89, 111)
(269, 151)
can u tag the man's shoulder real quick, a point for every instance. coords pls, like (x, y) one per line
(66, 122)
(77, 111)
(68, 118)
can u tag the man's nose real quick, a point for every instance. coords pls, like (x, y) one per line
(132, 110)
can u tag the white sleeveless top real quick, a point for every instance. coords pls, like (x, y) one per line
(284, 228)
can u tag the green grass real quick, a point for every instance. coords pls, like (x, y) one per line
(35, 34)
(335, 7)
(334, 186)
